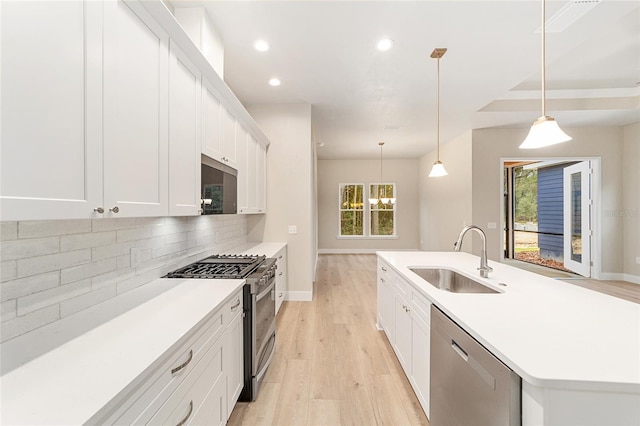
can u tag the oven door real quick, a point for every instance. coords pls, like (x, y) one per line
(264, 329)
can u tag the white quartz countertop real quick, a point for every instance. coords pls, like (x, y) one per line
(71, 383)
(551, 333)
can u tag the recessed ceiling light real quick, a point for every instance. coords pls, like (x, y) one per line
(261, 45)
(274, 82)
(384, 44)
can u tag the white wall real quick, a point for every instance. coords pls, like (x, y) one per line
(445, 202)
(52, 269)
(404, 173)
(631, 200)
(290, 191)
(490, 145)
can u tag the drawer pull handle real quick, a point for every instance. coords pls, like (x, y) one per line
(183, 421)
(236, 304)
(384, 269)
(184, 364)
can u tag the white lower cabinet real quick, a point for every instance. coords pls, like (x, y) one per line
(234, 350)
(404, 315)
(197, 383)
(281, 277)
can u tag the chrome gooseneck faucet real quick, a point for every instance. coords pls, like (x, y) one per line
(484, 266)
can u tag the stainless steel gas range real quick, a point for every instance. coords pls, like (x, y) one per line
(259, 308)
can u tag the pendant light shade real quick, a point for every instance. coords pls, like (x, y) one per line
(438, 169)
(545, 130)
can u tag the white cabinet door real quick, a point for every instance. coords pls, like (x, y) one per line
(185, 93)
(211, 122)
(403, 333)
(252, 152)
(234, 356)
(420, 360)
(243, 175)
(281, 277)
(135, 112)
(228, 146)
(261, 178)
(51, 57)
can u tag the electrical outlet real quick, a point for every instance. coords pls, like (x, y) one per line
(293, 229)
(638, 260)
(492, 225)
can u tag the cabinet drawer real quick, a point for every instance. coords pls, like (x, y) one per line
(401, 286)
(421, 306)
(184, 405)
(165, 378)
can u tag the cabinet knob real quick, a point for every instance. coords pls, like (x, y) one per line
(280, 295)
(115, 209)
(383, 269)
(99, 210)
(280, 274)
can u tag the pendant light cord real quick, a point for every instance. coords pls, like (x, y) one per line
(544, 77)
(438, 112)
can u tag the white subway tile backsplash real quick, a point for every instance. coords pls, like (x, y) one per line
(41, 264)
(8, 231)
(31, 247)
(76, 304)
(100, 225)
(22, 324)
(52, 269)
(8, 310)
(133, 234)
(25, 286)
(46, 228)
(111, 250)
(89, 270)
(8, 270)
(81, 241)
(53, 296)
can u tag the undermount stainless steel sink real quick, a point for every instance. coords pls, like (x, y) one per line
(448, 280)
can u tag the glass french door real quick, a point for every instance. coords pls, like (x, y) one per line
(577, 218)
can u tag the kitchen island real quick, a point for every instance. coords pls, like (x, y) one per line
(576, 350)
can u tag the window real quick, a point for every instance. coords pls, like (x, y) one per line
(359, 218)
(351, 209)
(384, 211)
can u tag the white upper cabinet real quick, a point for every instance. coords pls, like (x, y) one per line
(136, 54)
(185, 94)
(51, 110)
(106, 111)
(211, 122)
(228, 152)
(251, 175)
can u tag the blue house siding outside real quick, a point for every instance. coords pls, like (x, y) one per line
(550, 212)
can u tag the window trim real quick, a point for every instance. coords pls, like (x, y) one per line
(367, 213)
(340, 210)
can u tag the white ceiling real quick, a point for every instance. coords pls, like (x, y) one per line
(324, 53)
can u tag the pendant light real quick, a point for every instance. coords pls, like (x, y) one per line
(545, 130)
(438, 168)
(384, 199)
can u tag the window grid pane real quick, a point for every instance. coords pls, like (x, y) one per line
(351, 209)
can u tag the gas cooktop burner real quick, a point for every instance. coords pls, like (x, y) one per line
(219, 266)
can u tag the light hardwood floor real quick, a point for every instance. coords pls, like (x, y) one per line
(332, 367)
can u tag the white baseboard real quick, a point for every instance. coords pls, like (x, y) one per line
(299, 296)
(615, 276)
(358, 251)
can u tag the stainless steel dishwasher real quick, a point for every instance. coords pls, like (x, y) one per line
(469, 386)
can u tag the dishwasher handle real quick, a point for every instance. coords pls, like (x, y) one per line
(456, 347)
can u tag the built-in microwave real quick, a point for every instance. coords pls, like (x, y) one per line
(219, 187)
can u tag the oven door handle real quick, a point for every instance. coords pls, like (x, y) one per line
(262, 372)
(266, 291)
